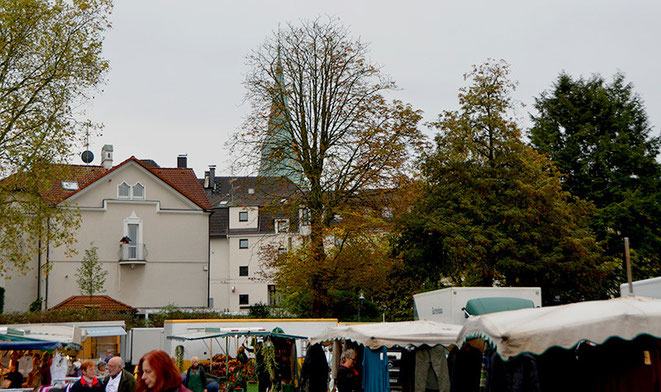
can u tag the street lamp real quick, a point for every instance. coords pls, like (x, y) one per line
(360, 303)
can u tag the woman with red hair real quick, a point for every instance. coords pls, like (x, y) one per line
(157, 373)
(88, 381)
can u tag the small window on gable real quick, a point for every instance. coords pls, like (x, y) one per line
(124, 191)
(243, 243)
(243, 216)
(251, 191)
(243, 270)
(138, 191)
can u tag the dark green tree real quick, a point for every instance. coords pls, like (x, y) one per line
(492, 210)
(598, 136)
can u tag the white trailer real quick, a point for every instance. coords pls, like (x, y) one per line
(643, 288)
(446, 305)
(140, 341)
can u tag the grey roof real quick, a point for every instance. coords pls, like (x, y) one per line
(268, 193)
(235, 191)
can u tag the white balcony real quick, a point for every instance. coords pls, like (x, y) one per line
(132, 254)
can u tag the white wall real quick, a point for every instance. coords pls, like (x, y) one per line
(175, 233)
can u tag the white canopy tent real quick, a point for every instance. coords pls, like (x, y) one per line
(65, 334)
(538, 329)
(402, 334)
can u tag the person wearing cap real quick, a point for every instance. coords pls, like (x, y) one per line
(101, 369)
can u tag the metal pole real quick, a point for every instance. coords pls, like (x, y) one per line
(626, 257)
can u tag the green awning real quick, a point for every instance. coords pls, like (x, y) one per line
(478, 306)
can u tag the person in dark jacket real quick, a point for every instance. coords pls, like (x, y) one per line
(348, 378)
(14, 376)
(157, 373)
(119, 380)
(196, 379)
(88, 381)
(314, 371)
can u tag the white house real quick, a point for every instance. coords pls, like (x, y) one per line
(150, 225)
(244, 224)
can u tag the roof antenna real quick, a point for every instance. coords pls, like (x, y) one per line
(87, 155)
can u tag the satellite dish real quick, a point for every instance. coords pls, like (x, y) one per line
(87, 156)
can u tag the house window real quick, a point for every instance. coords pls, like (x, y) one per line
(124, 191)
(281, 225)
(272, 295)
(243, 243)
(132, 245)
(243, 270)
(244, 299)
(305, 217)
(138, 191)
(243, 216)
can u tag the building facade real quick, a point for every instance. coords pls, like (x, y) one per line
(251, 220)
(150, 226)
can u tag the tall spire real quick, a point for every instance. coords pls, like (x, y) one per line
(277, 153)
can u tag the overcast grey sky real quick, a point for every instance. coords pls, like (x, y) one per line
(177, 66)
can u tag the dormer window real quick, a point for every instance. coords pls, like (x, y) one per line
(243, 216)
(251, 191)
(70, 185)
(281, 225)
(124, 191)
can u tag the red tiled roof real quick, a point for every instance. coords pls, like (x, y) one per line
(84, 175)
(182, 180)
(99, 302)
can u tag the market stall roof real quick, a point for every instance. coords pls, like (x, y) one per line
(536, 330)
(104, 331)
(8, 342)
(479, 306)
(210, 333)
(402, 334)
(65, 334)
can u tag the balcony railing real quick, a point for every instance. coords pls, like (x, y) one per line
(132, 253)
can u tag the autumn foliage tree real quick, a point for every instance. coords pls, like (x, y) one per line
(320, 118)
(493, 211)
(50, 64)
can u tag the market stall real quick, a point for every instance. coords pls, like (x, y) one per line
(272, 362)
(25, 360)
(407, 352)
(609, 345)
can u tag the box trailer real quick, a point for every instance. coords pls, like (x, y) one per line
(643, 288)
(140, 341)
(447, 305)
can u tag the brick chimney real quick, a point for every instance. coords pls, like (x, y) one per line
(106, 156)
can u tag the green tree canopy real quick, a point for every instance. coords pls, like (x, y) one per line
(492, 211)
(598, 135)
(50, 64)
